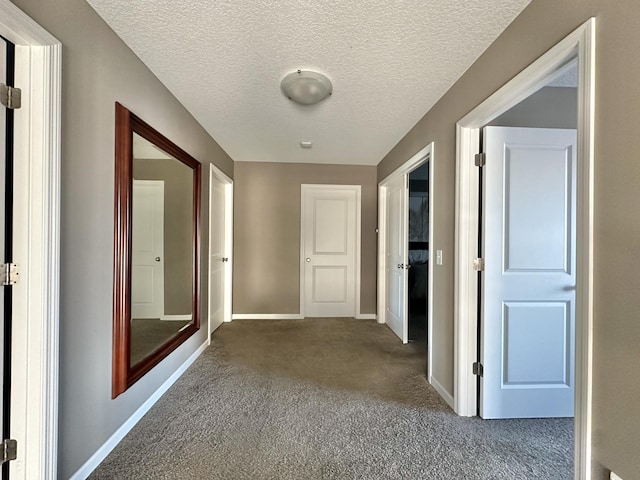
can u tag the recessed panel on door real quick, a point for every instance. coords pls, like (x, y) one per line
(329, 284)
(536, 344)
(331, 229)
(537, 206)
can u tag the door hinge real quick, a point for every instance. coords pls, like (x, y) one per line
(9, 451)
(478, 264)
(10, 97)
(481, 159)
(478, 369)
(9, 274)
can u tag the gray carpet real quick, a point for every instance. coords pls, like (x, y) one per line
(325, 399)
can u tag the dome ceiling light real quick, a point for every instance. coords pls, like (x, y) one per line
(306, 87)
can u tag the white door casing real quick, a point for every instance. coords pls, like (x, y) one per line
(528, 325)
(147, 259)
(34, 390)
(220, 245)
(3, 179)
(396, 315)
(330, 248)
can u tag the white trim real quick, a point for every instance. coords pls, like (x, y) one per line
(358, 190)
(580, 43)
(176, 318)
(366, 316)
(228, 243)
(446, 396)
(34, 396)
(90, 465)
(613, 476)
(426, 154)
(267, 316)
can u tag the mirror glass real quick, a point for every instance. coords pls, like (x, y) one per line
(156, 249)
(162, 248)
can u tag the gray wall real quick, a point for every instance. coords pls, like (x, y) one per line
(266, 252)
(98, 70)
(616, 335)
(549, 107)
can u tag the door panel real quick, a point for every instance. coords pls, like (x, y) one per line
(217, 253)
(528, 304)
(329, 249)
(397, 242)
(147, 260)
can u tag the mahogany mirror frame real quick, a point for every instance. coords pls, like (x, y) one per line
(126, 124)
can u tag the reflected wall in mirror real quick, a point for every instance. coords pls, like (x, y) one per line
(157, 249)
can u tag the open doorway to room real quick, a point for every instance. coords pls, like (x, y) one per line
(523, 317)
(418, 253)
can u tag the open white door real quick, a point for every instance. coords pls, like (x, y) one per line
(330, 222)
(528, 305)
(147, 259)
(220, 227)
(397, 194)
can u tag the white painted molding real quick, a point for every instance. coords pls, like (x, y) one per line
(176, 318)
(446, 396)
(34, 395)
(267, 316)
(580, 44)
(613, 476)
(90, 465)
(366, 316)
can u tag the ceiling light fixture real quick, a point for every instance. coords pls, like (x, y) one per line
(306, 87)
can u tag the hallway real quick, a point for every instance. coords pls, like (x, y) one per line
(320, 399)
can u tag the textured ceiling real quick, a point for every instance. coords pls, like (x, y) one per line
(389, 61)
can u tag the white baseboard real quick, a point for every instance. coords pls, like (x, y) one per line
(613, 476)
(366, 316)
(266, 316)
(446, 396)
(90, 465)
(176, 318)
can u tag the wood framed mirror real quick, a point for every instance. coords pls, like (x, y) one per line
(156, 249)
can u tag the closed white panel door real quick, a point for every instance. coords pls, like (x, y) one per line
(147, 259)
(397, 193)
(217, 255)
(329, 216)
(528, 323)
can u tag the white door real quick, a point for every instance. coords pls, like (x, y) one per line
(218, 251)
(528, 314)
(147, 259)
(329, 246)
(397, 194)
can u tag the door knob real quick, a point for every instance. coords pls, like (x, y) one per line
(225, 259)
(399, 265)
(157, 259)
(308, 259)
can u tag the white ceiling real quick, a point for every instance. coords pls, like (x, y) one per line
(389, 61)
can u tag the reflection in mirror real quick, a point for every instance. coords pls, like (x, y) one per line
(156, 249)
(162, 248)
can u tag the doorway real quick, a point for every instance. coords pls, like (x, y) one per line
(220, 248)
(578, 46)
(406, 258)
(34, 390)
(330, 250)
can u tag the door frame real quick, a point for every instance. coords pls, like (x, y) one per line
(424, 155)
(34, 395)
(215, 174)
(579, 44)
(358, 191)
